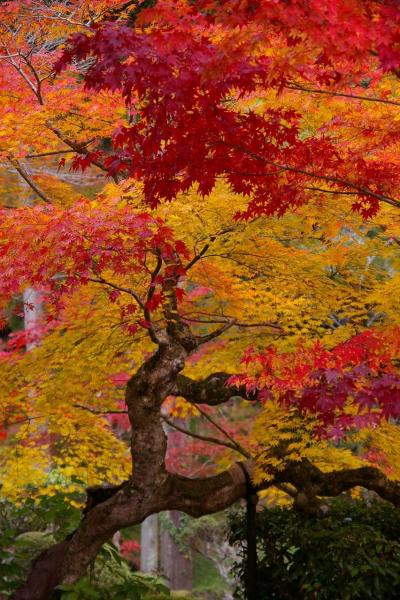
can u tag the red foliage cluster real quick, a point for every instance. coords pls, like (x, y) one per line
(360, 372)
(61, 250)
(180, 65)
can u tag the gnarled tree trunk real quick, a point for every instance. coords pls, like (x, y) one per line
(151, 488)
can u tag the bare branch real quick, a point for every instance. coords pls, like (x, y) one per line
(103, 281)
(237, 323)
(301, 88)
(238, 446)
(198, 256)
(203, 438)
(53, 153)
(207, 338)
(338, 180)
(94, 411)
(20, 70)
(22, 172)
(150, 294)
(325, 191)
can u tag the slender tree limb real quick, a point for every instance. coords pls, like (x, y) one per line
(334, 192)
(150, 294)
(215, 320)
(23, 74)
(119, 288)
(301, 88)
(35, 74)
(22, 172)
(79, 148)
(238, 446)
(53, 153)
(94, 411)
(211, 336)
(200, 254)
(203, 438)
(312, 174)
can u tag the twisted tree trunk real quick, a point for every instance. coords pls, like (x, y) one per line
(152, 489)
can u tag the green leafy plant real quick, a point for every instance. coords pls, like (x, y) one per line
(355, 549)
(26, 530)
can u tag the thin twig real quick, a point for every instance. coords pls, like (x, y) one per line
(198, 256)
(237, 323)
(211, 336)
(103, 281)
(300, 88)
(225, 433)
(27, 79)
(53, 153)
(94, 411)
(332, 179)
(203, 438)
(335, 192)
(21, 171)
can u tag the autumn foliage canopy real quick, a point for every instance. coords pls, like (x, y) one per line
(205, 196)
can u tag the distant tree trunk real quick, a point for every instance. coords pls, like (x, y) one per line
(32, 311)
(176, 562)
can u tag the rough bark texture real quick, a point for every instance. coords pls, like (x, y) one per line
(212, 391)
(312, 484)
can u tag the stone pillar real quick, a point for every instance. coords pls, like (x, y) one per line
(149, 545)
(176, 562)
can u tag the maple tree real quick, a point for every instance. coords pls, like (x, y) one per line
(249, 201)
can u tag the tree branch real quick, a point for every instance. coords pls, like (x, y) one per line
(53, 153)
(312, 483)
(300, 88)
(103, 281)
(79, 148)
(332, 179)
(203, 438)
(211, 391)
(22, 172)
(94, 411)
(19, 69)
(198, 497)
(150, 294)
(237, 323)
(200, 254)
(238, 446)
(211, 336)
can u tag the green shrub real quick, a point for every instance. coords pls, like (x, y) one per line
(353, 553)
(27, 530)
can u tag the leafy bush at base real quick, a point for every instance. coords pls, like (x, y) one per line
(353, 553)
(28, 529)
